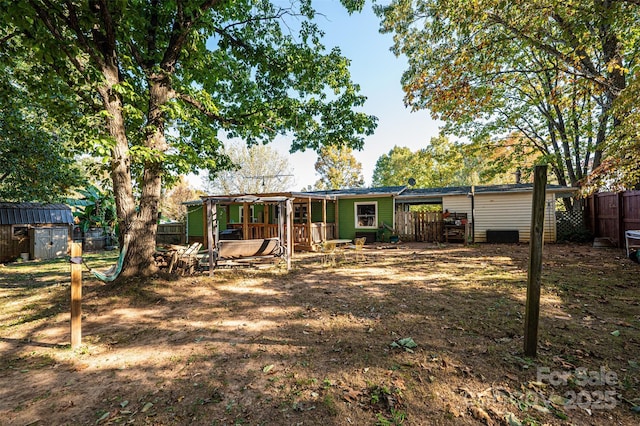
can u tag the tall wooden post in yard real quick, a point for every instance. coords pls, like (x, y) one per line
(76, 295)
(532, 313)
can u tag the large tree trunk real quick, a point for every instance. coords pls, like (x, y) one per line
(140, 258)
(141, 225)
(120, 163)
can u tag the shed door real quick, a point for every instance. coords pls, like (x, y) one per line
(49, 243)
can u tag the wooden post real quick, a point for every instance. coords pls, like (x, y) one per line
(323, 236)
(76, 296)
(309, 223)
(532, 313)
(265, 220)
(289, 222)
(245, 221)
(209, 206)
(336, 229)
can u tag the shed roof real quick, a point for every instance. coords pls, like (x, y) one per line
(415, 193)
(34, 213)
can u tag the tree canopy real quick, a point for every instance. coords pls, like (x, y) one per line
(154, 86)
(546, 72)
(447, 163)
(35, 164)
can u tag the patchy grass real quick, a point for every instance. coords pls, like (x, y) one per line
(314, 346)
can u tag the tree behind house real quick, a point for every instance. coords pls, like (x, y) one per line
(338, 168)
(257, 169)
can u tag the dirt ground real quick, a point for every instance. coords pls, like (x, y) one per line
(414, 334)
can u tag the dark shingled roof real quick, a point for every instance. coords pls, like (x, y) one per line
(384, 190)
(480, 189)
(34, 213)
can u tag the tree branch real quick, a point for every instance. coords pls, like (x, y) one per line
(46, 19)
(200, 107)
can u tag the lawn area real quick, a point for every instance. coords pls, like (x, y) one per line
(416, 335)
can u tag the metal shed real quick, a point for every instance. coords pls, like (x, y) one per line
(41, 230)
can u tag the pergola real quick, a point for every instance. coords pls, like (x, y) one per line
(283, 203)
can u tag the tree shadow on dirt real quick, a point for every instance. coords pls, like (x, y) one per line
(314, 346)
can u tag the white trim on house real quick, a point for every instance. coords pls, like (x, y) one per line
(374, 224)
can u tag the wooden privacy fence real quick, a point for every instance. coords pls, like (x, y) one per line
(609, 214)
(420, 226)
(171, 233)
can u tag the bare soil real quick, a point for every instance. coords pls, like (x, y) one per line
(315, 346)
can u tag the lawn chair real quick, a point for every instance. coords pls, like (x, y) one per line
(328, 250)
(358, 248)
(188, 260)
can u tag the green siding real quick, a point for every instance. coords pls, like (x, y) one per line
(316, 211)
(234, 213)
(195, 221)
(346, 214)
(331, 211)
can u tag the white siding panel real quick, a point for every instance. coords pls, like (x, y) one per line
(457, 204)
(511, 211)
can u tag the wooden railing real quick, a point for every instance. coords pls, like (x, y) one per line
(300, 232)
(258, 230)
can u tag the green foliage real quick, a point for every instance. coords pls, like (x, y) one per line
(35, 165)
(155, 87)
(544, 72)
(338, 169)
(444, 163)
(96, 208)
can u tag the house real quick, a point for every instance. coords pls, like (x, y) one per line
(487, 214)
(247, 216)
(33, 230)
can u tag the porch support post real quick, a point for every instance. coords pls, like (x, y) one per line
(245, 221)
(289, 231)
(265, 220)
(324, 220)
(337, 222)
(310, 231)
(209, 207)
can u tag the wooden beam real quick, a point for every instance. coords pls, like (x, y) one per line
(532, 313)
(76, 296)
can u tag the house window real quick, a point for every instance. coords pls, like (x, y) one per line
(251, 214)
(366, 214)
(19, 232)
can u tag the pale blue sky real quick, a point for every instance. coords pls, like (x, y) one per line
(378, 72)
